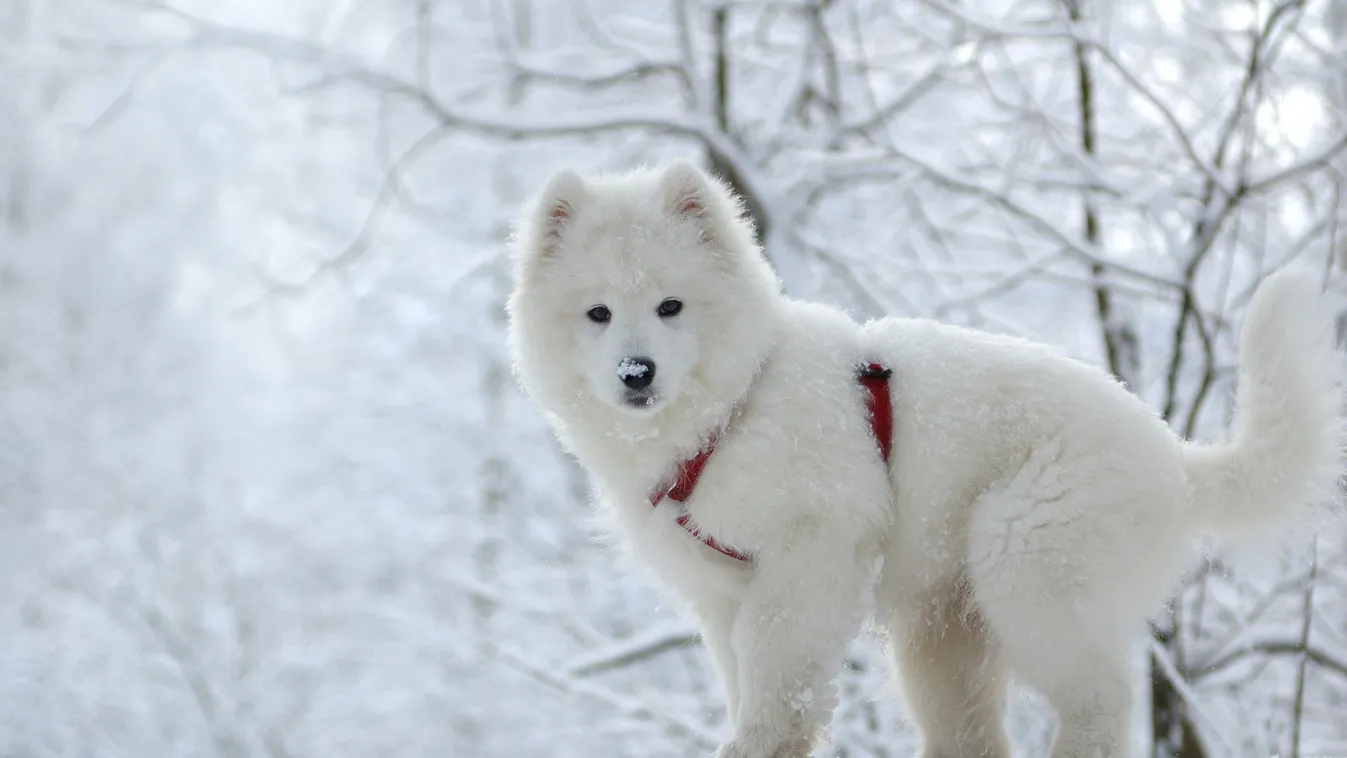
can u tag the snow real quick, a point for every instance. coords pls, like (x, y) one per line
(267, 487)
(628, 368)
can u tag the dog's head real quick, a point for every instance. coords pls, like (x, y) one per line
(637, 290)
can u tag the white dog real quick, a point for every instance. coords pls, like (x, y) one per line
(1031, 518)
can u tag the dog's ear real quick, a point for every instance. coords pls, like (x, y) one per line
(691, 194)
(554, 212)
(688, 192)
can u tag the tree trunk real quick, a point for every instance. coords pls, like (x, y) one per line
(719, 163)
(1173, 735)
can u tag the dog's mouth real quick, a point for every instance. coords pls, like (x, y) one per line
(641, 400)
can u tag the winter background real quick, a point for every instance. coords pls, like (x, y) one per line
(267, 486)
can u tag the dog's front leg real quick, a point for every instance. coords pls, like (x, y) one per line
(790, 635)
(717, 622)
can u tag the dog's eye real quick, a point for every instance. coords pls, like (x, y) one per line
(670, 307)
(599, 314)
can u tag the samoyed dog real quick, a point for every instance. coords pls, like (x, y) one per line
(1030, 518)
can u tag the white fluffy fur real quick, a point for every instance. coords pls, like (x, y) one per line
(1033, 516)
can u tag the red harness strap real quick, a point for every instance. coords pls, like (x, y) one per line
(873, 376)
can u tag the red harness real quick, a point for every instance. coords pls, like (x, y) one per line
(872, 376)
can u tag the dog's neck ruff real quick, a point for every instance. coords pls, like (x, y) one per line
(873, 376)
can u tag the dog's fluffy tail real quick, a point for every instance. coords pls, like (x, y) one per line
(1285, 448)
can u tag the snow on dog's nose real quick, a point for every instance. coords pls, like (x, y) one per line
(637, 373)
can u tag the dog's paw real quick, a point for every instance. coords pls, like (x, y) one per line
(764, 746)
(741, 749)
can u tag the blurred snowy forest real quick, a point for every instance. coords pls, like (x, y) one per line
(267, 487)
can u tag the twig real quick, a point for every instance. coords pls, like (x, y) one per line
(626, 705)
(633, 651)
(1321, 658)
(1298, 706)
(1160, 655)
(360, 244)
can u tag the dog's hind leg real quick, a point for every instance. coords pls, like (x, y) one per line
(1071, 652)
(1065, 558)
(951, 674)
(1085, 681)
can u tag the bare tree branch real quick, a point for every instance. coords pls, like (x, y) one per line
(1074, 245)
(1320, 658)
(1307, 621)
(636, 650)
(388, 189)
(627, 706)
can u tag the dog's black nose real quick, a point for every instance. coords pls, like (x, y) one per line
(637, 373)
